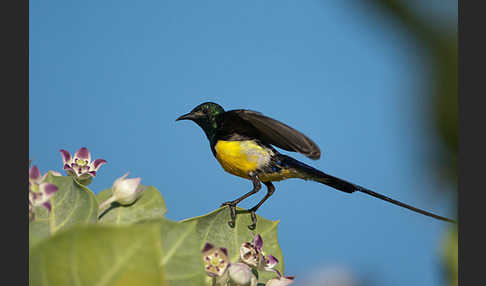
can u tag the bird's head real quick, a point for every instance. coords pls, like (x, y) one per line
(204, 115)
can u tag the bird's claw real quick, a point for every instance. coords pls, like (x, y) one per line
(228, 204)
(232, 206)
(232, 222)
(253, 219)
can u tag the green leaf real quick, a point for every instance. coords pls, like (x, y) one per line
(38, 230)
(150, 205)
(449, 256)
(156, 252)
(181, 255)
(99, 256)
(71, 204)
(213, 227)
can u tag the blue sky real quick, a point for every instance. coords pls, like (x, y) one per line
(114, 75)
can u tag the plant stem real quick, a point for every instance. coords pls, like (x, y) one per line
(105, 203)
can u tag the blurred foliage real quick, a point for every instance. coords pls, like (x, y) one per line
(450, 257)
(441, 49)
(440, 46)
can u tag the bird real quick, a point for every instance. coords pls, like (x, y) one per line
(243, 142)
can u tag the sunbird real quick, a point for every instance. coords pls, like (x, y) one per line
(242, 141)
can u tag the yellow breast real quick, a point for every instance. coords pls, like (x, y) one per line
(241, 157)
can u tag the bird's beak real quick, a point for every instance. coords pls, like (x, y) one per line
(188, 116)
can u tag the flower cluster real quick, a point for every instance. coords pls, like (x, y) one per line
(40, 192)
(80, 165)
(125, 191)
(252, 258)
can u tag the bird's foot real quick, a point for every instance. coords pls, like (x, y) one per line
(252, 226)
(232, 206)
(230, 203)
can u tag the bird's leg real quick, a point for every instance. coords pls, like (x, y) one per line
(270, 191)
(232, 204)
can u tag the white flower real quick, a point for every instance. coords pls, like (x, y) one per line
(251, 252)
(280, 281)
(240, 274)
(125, 191)
(215, 260)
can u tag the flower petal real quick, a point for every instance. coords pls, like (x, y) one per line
(224, 250)
(31, 197)
(126, 191)
(119, 180)
(130, 184)
(258, 242)
(48, 189)
(207, 246)
(249, 254)
(69, 169)
(47, 205)
(98, 163)
(83, 153)
(271, 261)
(241, 274)
(34, 174)
(215, 260)
(66, 156)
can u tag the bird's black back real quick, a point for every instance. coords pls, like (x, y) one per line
(232, 127)
(241, 124)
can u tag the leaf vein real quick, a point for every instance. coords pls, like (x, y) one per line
(73, 209)
(178, 243)
(128, 253)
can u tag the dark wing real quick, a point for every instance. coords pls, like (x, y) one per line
(279, 134)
